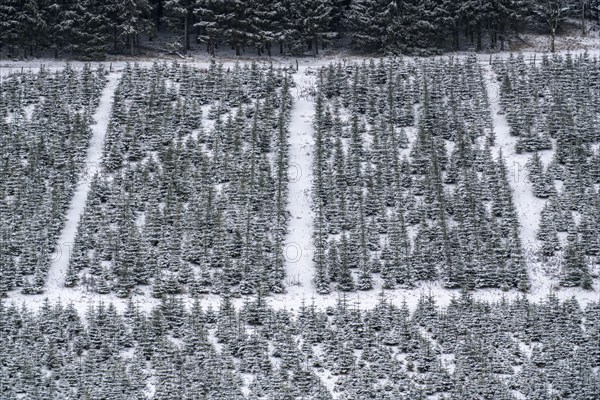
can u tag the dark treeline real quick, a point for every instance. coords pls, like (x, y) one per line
(90, 29)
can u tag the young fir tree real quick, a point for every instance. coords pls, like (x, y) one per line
(575, 271)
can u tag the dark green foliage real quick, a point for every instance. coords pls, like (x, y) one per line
(91, 28)
(547, 101)
(466, 349)
(43, 151)
(371, 191)
(183, 209)
(575, 269)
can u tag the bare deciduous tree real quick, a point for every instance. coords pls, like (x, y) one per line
(553, 12)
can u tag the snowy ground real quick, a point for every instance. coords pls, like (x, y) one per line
(528, 206)
(299, 249)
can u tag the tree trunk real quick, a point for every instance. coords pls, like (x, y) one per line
(456, 39)
(186, 35)
(582, 17)
(268, 46)
(552, 40)
(131, 39)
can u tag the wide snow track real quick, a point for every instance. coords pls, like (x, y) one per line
(299, 249)
(528, 206)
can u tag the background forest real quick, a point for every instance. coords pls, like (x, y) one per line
(91, 29)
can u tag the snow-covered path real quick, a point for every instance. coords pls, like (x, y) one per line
(299, 248)
(58, 267)
(528, 206)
